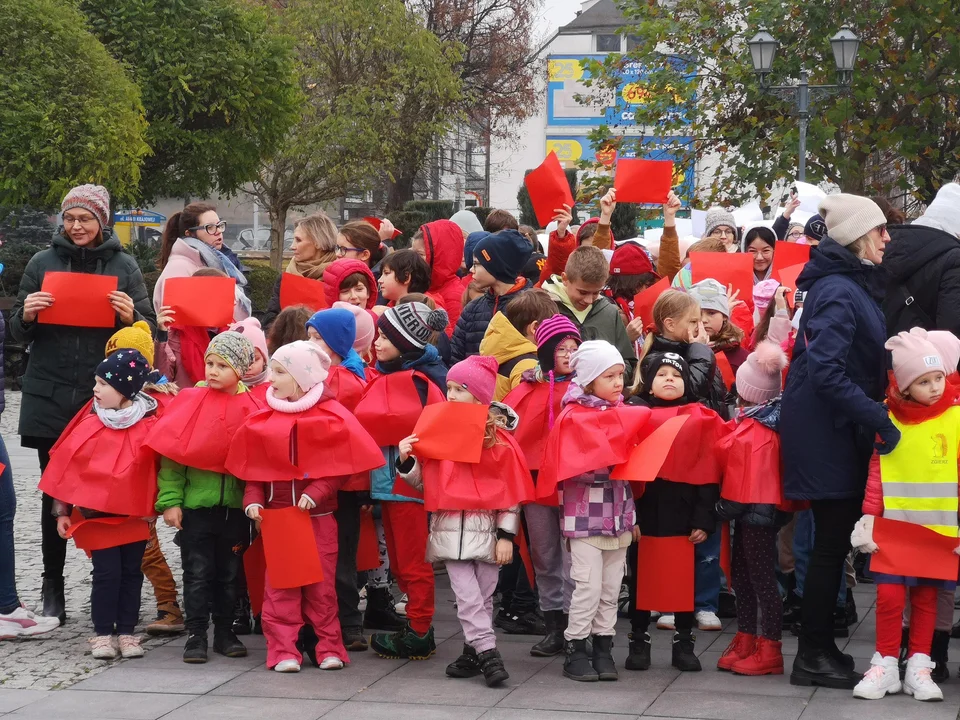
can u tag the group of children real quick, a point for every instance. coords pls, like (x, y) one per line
(327, 406)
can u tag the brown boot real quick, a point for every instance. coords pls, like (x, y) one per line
(169, 620)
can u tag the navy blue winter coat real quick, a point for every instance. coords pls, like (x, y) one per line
(831, 407)
(474, 320)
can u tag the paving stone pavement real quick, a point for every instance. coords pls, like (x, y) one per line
(52, 678)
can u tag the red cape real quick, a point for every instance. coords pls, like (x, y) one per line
(260, 393)
(323, 441)
(752, 471)
(531, 402)
(197, 427)
(345, 387)
(584, 439)
(163, 399)
(390, 406)
(112, 471)
(499, 481)
(693, 457)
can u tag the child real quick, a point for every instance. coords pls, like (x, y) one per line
(334, 331)
(103, 468)
(472, 535)
(537, 399)
(752, 495)
(287, 454)
(200, 498)
(440, 243)
(257, 378)
(674, 504)
(510, 338)
(922, 407)
(289, 326)
(577, 293)
(351, 281)
(497, 262)
(403, 272)
(715, 308)
(411, 376)
(366, 332)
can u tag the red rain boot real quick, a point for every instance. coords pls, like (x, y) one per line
(740, 647)
(766, 660)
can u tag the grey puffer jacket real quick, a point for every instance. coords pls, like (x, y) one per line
(463, 534)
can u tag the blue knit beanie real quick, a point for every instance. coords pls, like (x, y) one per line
(337, 327)
(472, 240)
(503, 254)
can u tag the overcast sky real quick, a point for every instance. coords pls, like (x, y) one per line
(554, 14)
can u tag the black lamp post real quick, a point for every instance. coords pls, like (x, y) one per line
(763, 49)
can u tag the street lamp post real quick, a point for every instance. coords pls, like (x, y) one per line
(763, 48)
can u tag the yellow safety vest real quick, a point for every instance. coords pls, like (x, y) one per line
(920, 477)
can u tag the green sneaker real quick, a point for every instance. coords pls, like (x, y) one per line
(404, 644)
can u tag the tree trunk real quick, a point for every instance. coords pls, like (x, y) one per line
(278, 226)
(400, 190)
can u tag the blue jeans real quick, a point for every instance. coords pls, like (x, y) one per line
(706, 581)
(8, 508)
(803, 534)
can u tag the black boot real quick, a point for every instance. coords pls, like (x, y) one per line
(491, 664)
(307, 644)
(241, 614)
(955, 631)
(552, 643)
(576, 665)
(603, 657)
(820, 667)
(465, 666)
(851, 609)
(684, 657)
(840, 624)
(353, 638)
(228, 644)
(54, 603)
(639, 657)
(380, 613)
(195, 649)
(938, 653)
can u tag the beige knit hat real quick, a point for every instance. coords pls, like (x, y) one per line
(849, 217)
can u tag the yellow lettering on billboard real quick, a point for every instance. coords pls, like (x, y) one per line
(563, 70)
(634, 93)
(568, 151)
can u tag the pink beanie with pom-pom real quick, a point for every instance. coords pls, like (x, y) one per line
(250, 329)
(759, 378)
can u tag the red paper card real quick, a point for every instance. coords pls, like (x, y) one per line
(548, 188)
(644, 300)
(107, 532)
(787, 254)
(368, 549)
(290, 548)
(726, 370)
(643, 181)
(80, 300)
(376, 222)
(201, 301)
(520, 541)
(665, 574)
(913, 551)
(254, 570)
(648, 457)
(451, 431)
(788, 278)
(297, 290)
(734, 269)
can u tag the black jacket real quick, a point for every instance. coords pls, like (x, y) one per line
(764, 515)
(922, 263)
(473, 322)
(705, 379)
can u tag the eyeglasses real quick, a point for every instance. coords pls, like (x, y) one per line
(340, 250)
(562, 351)
(797, 234)
(722, 232)
(882, 229)
(212, 228)
(84, 220)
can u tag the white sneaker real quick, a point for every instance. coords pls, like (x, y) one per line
(130, 646)
(654, 615)
(882, 678)
(666, 622)
(23, 623)
(363, 599)
(708, 621)
(401, 605)
(331, 662)
(287, 666)
(103, 647)
(917, 680)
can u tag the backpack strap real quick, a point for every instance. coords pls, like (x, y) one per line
(507, 368)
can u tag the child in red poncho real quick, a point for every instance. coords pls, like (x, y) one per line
(287, 454)
(257, 377)
(472, 537)
(103, 469)
(752, 495)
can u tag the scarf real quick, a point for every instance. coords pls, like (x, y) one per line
(312, 269)
(258, 379)
(126, 417)
(352, 362)
(309, 399)
(211, 257)
(767, 414)
(576, 394)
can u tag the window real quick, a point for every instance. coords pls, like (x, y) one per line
(608, 43)
(632, 42)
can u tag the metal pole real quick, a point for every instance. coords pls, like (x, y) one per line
(803, 111)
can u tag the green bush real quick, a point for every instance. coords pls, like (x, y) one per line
(150, 278)
(261, 281)
(623, 224)
(481, 213)
(527, 214)
(25, 231)
(407, 222)
(433, 209)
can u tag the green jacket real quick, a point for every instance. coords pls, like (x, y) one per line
(187, 487)
(60, 375)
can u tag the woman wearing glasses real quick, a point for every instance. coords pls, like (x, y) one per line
(59, 378)
(720, 224)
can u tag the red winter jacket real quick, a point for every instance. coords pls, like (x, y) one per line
(443, 242)
(335, 273)
(278, 495)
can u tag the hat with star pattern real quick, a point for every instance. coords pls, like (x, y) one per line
(125, 371)
(305, 361)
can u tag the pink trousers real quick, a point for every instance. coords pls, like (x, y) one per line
(284, 611)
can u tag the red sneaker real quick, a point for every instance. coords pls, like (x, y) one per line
(766, 660)
(740, 647)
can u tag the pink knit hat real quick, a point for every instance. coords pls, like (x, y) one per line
(763, 293)
(93, 198)
(303, 359)
(477, 375)
(948, 347)
(913, 355)
(759, 378)
(366, 329)
(250, 329)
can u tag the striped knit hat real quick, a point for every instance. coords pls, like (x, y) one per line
(411, 325)
(93, 198)
(550, 333)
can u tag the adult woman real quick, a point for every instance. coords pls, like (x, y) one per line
(359, 240)
(193, 239)
(831, 413)
(314, 248)
(720, 224)
(59, 377)
(760, 242)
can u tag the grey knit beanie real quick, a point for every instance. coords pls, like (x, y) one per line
(711, 295)
(716, 217)
(849, 217)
